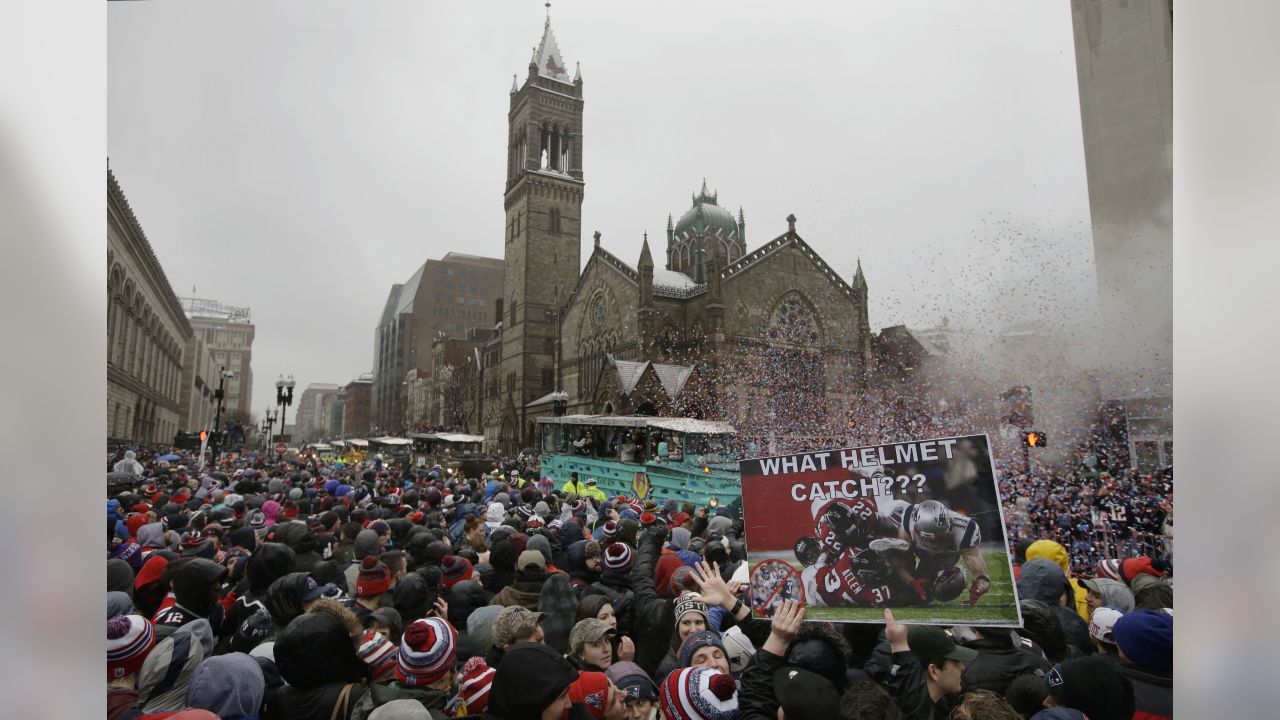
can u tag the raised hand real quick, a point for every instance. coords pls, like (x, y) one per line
(786, 623)
(626, 649)
(895, 632)
(713, 589)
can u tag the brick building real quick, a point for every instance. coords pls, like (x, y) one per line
(147, 334)
(313, 410)
(357, 400)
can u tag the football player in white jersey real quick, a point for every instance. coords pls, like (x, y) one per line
(939, 538)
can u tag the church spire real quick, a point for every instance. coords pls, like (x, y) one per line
(859, 280)
(547, 56)
(646, 257)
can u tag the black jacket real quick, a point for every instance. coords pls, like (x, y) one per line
(999, 661)
(653, 618)
(906, 683)
(755, 693)
(1152, 694)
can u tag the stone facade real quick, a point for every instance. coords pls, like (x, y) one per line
(313, 407)
(199, 380)
(444, 298)
(229, 339)
(147, 334)
(714, 333)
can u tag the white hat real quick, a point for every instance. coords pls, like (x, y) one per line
(1101, 622)
(738, 649)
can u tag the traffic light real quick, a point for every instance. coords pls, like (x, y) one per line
(1034, 439)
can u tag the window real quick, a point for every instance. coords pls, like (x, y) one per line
(553, 221)
(547, 378)
(548, 345)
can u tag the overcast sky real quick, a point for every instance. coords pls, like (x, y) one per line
(298, 157)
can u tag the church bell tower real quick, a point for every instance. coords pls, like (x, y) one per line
(543, 203)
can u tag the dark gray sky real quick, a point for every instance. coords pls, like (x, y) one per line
(300, 157)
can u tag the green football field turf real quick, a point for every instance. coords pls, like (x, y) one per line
(997, 607)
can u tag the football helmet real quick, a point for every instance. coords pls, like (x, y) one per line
(932, 526)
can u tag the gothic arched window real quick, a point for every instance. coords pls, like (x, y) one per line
(793, 323)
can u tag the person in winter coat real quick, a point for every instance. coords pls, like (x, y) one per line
(230, 686)
(525, 591)
(1105, 592)
(1040, 624)
(1057, 553)
(653, 616)
(325, 676)
(1003, 655)
(583, 564)
(927, 672)
(532, 683)
(1145, 640)
(129, 465)
(423, 671)
(196, 587)
(168, 669)
(267, 563)
(1151, 591)
(1092, 685)
(1042, 579)
(130, 638)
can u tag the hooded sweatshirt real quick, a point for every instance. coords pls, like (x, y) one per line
(1042, 579)
(165, 674)
(317, 658)
(1114, 594)
(230, 686)
(1057, 553)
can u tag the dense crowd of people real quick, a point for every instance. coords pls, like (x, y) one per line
(291, 589)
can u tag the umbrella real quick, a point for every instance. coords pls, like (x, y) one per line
(169, 458)
(121, 478)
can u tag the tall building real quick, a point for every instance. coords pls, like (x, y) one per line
(228, 334)
(313, 410)
(147, 333)
(1124, 60)
(713, 333)
(543, 205)
(443, 297)
(199, 381)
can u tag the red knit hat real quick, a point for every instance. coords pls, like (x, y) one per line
(475, 679)
(129, 639)
(428, 649)
(374, 577)
(454, 569)
(699, 693)
(591, 689)
(151, 571)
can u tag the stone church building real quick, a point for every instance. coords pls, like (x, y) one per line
(769, 338)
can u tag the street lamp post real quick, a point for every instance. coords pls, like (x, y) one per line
(284, 398)
(218, 395)
(268, 424)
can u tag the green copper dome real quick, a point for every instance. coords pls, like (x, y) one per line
(706, 215)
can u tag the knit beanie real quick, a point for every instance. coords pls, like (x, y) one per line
(688, 602)
(129, 639)
(378, 653)
(129, 552)
(1146, 638)
(428, 649)
(699, 694)
(695, 642)
(374, 577)
(454, 569)
(1094, 686)
(618, 558)
(475, 679)
(591, 690)
(610, 533)
(1110, 569)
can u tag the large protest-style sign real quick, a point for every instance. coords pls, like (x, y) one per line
(914, 526)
